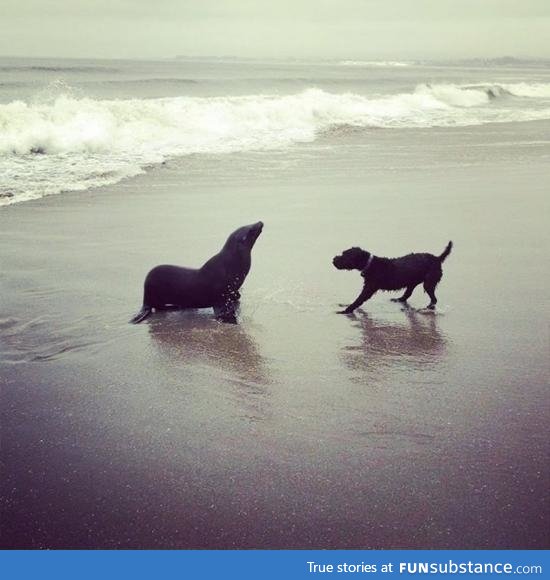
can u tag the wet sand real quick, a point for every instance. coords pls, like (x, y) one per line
(297, 428)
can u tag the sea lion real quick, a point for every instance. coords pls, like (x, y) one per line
(215, 285)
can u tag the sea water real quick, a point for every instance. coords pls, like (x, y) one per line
(73, 125)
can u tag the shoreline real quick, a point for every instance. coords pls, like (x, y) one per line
(297, 428)
(487, 135)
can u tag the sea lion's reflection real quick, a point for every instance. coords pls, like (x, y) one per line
(225, 351)
(412, 341)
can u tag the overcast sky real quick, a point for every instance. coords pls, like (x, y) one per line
(366, 29)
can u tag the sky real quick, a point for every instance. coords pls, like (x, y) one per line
(362, 29)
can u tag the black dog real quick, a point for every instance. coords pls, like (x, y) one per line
(393, 273)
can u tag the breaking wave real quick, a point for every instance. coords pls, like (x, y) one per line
(76, 143)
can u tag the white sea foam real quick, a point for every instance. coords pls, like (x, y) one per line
(76, 143)
(533, 90)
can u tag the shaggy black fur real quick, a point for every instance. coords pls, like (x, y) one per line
(393, 273)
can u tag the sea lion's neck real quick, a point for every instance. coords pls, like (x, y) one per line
(232, 264)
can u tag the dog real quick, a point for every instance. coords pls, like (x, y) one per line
(393, 273)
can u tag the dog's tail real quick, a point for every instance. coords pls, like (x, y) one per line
(141, 315)
(446, 252)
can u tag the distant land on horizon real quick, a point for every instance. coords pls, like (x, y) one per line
(475, 61)
(496, 61)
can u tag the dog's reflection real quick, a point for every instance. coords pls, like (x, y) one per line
(412, 341)
(226, 352)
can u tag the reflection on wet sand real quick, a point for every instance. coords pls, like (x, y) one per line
(409, 341)
(226, 352)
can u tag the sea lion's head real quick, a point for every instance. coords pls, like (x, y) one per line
(244, 238)
(352, 259)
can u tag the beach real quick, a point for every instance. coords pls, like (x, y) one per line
(297, 427)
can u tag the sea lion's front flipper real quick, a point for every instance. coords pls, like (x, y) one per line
(227, 312)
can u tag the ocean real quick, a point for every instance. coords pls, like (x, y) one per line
(73, 125)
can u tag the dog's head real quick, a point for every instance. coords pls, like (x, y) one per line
(352, 259)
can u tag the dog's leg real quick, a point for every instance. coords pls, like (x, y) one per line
(366, 293)
(433, 299)
(431, 281)
(406, 295)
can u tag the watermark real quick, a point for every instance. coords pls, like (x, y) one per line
(449, 567)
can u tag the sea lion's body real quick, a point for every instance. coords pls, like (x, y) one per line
(215, 285)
